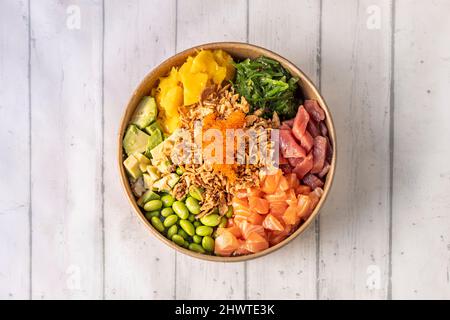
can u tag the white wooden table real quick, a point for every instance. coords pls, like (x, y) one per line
(67, 69)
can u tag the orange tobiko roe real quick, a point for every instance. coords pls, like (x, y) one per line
(236, 120)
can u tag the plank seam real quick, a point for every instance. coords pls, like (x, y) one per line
(175, 49)
(391, 144)
(103, 155)
(319, 84)
(30, 198)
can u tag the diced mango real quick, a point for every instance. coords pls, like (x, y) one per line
(194, 84)
(172, 100)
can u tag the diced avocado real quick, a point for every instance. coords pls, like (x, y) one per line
(135, 140)
(149, 195)
(155, 139)
(149, 180)
(152, 127)
(143, 161)
(153, 172)
(145, 113)
(162, 185)
(132, 166)
(173, 180)
(163, 165)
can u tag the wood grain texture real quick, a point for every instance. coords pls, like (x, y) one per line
(66, 144)
(296, 37)
(14, 151)
(354, 225)
(137, 38)
(203, 21)
(421, 201)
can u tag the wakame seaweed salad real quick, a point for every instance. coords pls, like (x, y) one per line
(268, 86)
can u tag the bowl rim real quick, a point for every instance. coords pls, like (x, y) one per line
(304, 79)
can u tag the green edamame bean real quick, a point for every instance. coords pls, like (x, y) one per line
(186, 245)
(211, 220)
(178, 239)
(196, 247)
(167, 200)
(197, 223)
(157, 224)
(208, 243)
(187, 226)
(180, 209)
(153, 205)
(197, 239)
(229, 213)
(223, 222)
(196, 193)
(170, 220)
(183, 233)
(204, 231)
(191, 218)
(166, 212)
(179, 171)
(172, 231)
(151, 214)
(192, 205)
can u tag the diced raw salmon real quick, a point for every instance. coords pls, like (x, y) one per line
(270, 183)
(255, 218)
(277, 208)
(302, 189)
(291, 197)
(276, 237)
(278, 196)
(290, 215)
(242, 250)
(234, 230)
(292, 180)
(240, 206)
(272, 223)
(248, 228)
(226, 244)
(258, 205)
(283, 185)
(303, 205)
(256, 243)
(254, 192)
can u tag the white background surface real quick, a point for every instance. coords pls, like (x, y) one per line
(66, 229)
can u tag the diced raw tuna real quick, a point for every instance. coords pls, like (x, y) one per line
(288, 145)
(314, 110)
(313, 128)
(325, 169)
(329, 150)
(303, 167)
(282, 160)
(319, 153)
(300, 123)
(286, 168)
(323, 128)
(312, 181)
(294, 161)
(288, 123)
(307, 141)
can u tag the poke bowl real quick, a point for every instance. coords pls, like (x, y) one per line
(226, 151)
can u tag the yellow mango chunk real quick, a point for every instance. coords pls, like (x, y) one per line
(171, 124)
(172, 100)
(194, 84)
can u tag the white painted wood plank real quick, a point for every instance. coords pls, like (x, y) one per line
(14, 151)
(421, 203)
(354, 225)
(292, 30)
(200, 22)
(138, 36)
(66, 144)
